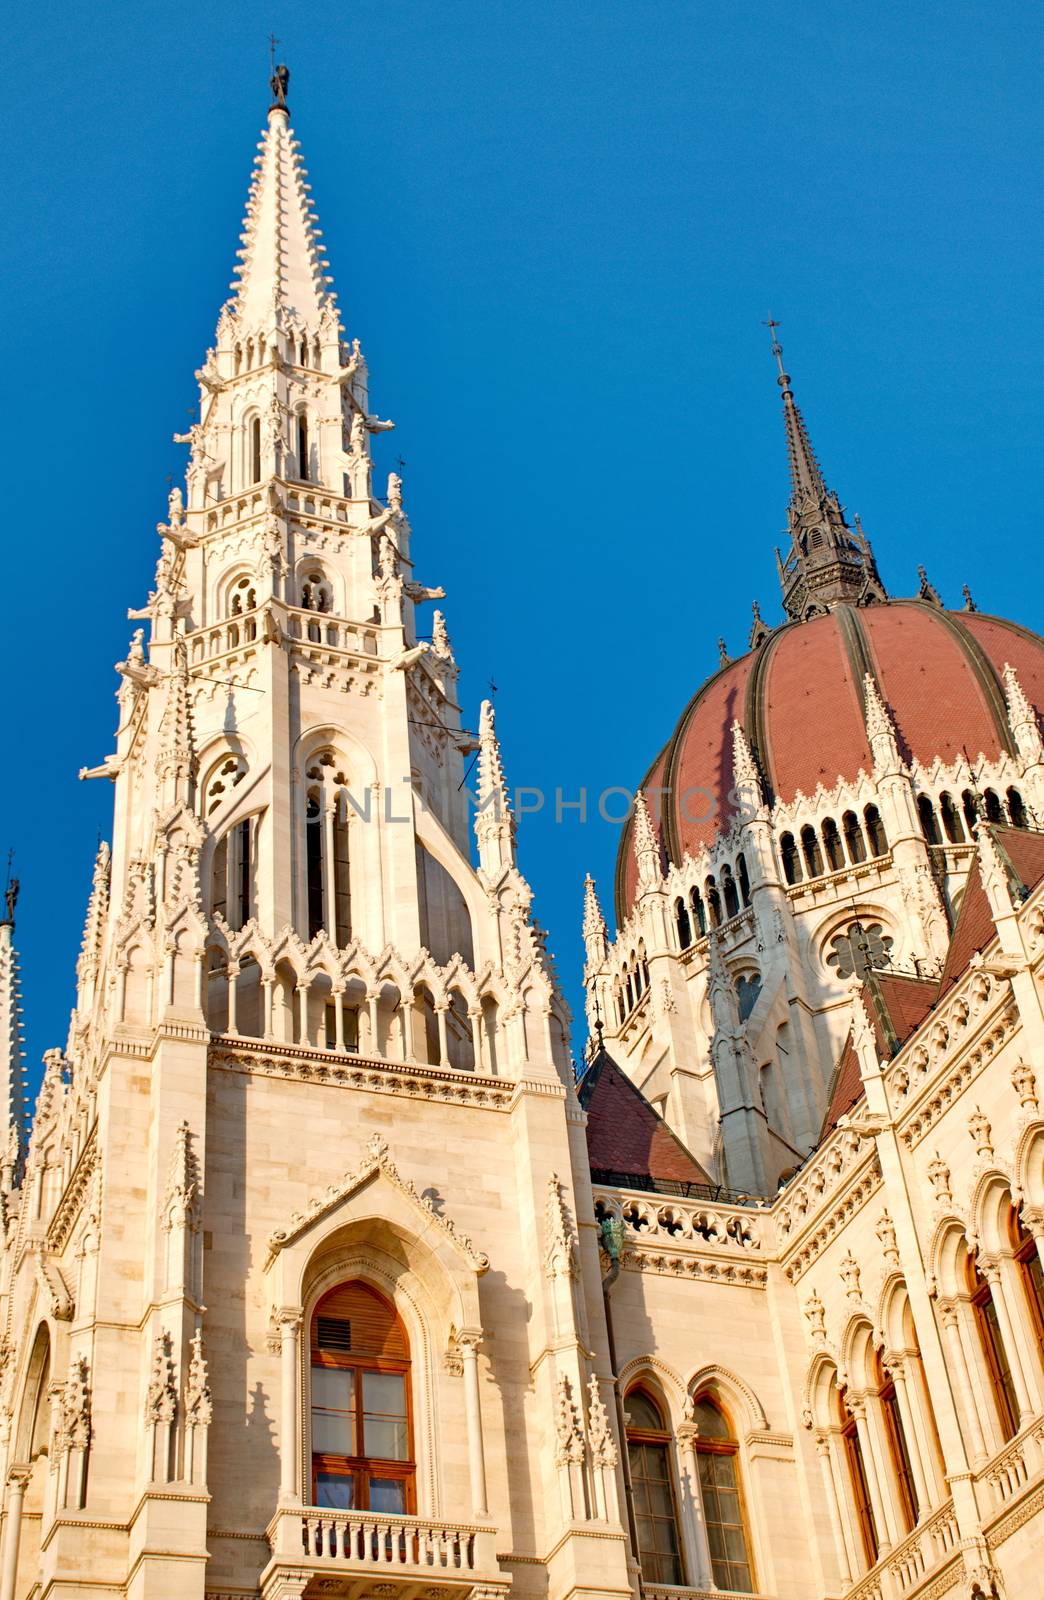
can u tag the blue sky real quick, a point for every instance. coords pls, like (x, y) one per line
(557, 229)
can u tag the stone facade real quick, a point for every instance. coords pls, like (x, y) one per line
(315, 1047)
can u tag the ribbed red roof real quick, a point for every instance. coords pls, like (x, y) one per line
(799, 696)
(625, 1135)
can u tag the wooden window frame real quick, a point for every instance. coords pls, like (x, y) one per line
(899, 1446)
(859, 1483)
(1026, 1253)
(727, 1447)
(662, 1439)
(363, 1468)
(991, 1340)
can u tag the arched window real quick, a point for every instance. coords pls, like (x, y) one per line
(231, 771)
(811, 852)
(744, 878)
(652, 1485)
(951, 819)
(684, 926)
(857, 1477)
(699, 911)
(928, 819)
(728, 889)
(748, 987)
(302, 446)
(1027, 1257)
(713, 903)
(1017, 809)
(362, 1444)
(993, 1349)
(314, 863)
(854, 841)
(897, 1444)
(241, 597)
(717, 1455)
(791, 860)
(835, 853)
(255, 450)
(304, 353)
(232, 875)
(875, 831)
(992, 807)
(316, 593)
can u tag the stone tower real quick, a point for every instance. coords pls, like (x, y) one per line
(315, 1051)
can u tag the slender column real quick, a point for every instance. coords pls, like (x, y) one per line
(920, 1401)
(886, 1476)
(338, 1002)
(694, 1526)
(13, 1533)
(477, 1041)
(830, 1495)
(843, 1500)
(375, 1032)
(469, 1343)
(121, 993)
(302, 1014)
(329, 908)
(911, 1429)
(440, 1016)
(1013, 1298)
(857, 1406)
(267, 985)
(233, 974)
(289, 1330)
(949, 1316)
(364, 1028)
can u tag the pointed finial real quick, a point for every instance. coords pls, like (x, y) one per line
(759, 628)
(723, 654)
(969, 603)
(744, 767)
(777, 350)
(927, 590)
(646, 848)
(880, 729)
(595, 932)
(494, 820)
(1022, 718)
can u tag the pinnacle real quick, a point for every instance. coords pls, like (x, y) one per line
(594, 921)
(282, 269)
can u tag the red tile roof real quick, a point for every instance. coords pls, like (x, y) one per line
(625, 1135)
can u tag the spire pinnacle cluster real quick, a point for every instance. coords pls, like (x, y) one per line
(828, 563)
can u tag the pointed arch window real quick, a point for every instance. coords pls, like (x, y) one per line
(744, 878)
(929, 822)
(652, 1486)
(992, 806)
(855, 844)
(302, 447)
(875, 831)
(314, 863)
(791, 860)
(897, 1444)
(992, 1342)
(717, 1456)
(1017, 809)
(728, 889)
(811, 851)
(971, 814)
(255, 450)
(832, 845)
(1027, 1257)
(713, 903)
(860, 1488)
(361, 1423)
(684, 926)
(951, 819)
(699, 912)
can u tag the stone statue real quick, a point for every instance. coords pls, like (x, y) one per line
(279, 83)
(175, 508)
(11, 898)
(357, 442)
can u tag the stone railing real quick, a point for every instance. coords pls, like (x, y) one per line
(674, 1222)
(366, 1543)
(901, 1571)
(821, 1174)
(973, 1003)
(670, 1591)
(320, 628)
(1008, 1473)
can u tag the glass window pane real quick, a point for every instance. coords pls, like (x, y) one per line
(642, 1412)
(384, 1439)
(332, 1387)
(334, 1490)
(664, 1533)
(332, 1433)
(660, 1502)
(384, 1391)
(387, 1494)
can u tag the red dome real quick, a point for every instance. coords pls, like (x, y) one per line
(799, 698)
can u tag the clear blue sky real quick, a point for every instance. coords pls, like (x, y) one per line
(557, 229)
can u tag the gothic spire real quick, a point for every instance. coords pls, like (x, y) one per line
(12, 1055)
(494, 822)
(595, 932)
(646, 848)
(828, 563)
(282, 271)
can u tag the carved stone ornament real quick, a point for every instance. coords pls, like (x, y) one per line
(76, 1407)
(199, 1408)
(939, 1178)
(815, 1311)
(562, 1254)
(161, 1401)
(599, 1433)
(851, 1276)
(885, 1231)
(568, 1431)
(379, 1161)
